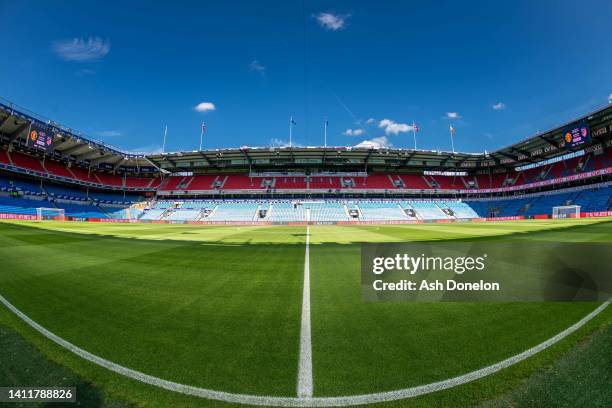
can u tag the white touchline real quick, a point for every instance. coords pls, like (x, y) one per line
(304, 387)
(262, 400)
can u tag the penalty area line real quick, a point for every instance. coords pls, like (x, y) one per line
(304, 386)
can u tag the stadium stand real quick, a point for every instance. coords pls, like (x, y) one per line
(381, 211)
(297, 184)
(327, 211)
(26, 162)
(428, 210)
(287, 212)
(234, 211)
(590, 200)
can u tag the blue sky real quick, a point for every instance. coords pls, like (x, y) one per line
(498, 71)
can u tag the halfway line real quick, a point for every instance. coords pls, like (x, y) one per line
(304, 387)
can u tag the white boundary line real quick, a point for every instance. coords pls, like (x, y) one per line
(304, 387)
(304, 402)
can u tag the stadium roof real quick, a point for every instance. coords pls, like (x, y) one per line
(543, 146)
(15, 124)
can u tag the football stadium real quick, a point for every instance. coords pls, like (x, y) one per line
(305, 275)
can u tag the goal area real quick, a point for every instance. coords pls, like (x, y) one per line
(43, 213)
(566, 211)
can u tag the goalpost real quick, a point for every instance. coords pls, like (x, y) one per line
(566, 211)
(43, 213)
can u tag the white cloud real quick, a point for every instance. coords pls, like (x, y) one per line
(353, 132)
(274, 142)
(392, 127)
(258, 67)
(108, 133)
(370, 121)
(332, 22)
(499, 106)
(81, 50)
(610, 97)
(205, 107)
(375, 143)
(452, 115)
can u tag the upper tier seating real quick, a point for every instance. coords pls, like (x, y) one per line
(241, 182)
(449, 182)
(290, 183)
(4, 157)
(202, 182)
(139, 181)
(26, 162)
(376, 181)
(58, 169)
(414, 181)
(109, 179)
(84, 175)
(53, 167)
(325, 183)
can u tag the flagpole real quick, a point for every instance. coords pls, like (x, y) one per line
(164, 143)
(414, 133)
(201, 135)
(452, 135)
(290, 129)
(325, 133)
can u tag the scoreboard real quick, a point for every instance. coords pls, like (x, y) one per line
(40, 136)
(576, 135)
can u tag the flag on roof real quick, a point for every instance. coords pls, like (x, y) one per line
(452, 130)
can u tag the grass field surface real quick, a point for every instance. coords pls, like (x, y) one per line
(219, 307)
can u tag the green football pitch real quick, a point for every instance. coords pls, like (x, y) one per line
(220, 308)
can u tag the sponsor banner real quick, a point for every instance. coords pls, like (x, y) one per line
(596, 214)
(510, 218)
(589, 174)
(7, 216)
(110, 220)
(229, 222)
(490, 271)
(379, 222)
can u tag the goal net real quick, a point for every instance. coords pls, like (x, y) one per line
(50, 214)
(566, 211)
